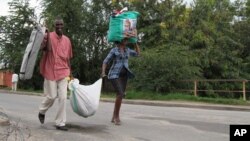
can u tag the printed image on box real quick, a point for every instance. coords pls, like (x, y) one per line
(129, 28)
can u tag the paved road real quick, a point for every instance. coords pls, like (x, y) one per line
(140, 122)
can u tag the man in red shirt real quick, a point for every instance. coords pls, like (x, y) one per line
(55, 67)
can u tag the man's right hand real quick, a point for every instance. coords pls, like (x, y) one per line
(44, 42)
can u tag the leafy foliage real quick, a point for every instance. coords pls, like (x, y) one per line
(15, 36)
(160, 70)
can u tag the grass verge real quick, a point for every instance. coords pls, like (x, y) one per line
(135, 95)
(178, 97)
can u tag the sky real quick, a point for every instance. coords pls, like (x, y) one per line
(4, 8)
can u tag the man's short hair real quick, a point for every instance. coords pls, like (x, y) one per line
(58, 18)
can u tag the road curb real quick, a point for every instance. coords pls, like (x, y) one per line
(184, 104)
(21, 92)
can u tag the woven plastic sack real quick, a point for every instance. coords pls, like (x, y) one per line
(84, 99)
(121, 24)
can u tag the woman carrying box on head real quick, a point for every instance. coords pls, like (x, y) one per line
(119, 72)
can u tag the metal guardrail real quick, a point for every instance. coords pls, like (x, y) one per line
(195, 90)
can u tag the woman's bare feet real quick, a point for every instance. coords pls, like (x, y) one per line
(117, 121)
(113, 120)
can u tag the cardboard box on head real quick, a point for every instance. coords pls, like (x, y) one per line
(123, 25)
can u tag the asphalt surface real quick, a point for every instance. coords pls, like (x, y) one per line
(4, 118)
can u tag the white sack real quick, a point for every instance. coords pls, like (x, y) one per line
(84, 99)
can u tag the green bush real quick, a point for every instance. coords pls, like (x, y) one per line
(160, 70)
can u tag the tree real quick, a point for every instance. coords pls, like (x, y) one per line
(241, 27)
(16, 29)
(166, 58)
(213, 40)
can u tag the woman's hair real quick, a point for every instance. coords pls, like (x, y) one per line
(117, 42)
